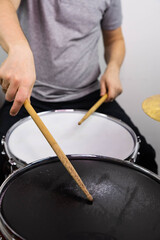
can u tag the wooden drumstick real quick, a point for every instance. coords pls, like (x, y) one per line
(62, 157)
(93, 108)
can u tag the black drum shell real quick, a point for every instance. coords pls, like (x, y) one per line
(42, 201)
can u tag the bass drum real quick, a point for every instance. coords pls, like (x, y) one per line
(99, 135)
(42, 201)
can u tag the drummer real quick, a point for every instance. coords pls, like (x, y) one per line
(52, 49)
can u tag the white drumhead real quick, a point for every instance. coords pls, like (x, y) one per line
(98, 135)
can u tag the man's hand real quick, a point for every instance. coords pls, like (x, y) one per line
(17, 76)
(110, 83)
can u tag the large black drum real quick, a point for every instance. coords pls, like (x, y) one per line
(42, 201)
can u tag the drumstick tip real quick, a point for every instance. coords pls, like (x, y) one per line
(90, 198)
(82, 120)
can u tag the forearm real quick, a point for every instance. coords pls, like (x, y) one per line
(17, 72)
(11, 34)
(114, 53)
(114, 47)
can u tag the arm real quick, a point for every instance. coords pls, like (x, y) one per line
(17, 72)
(114, 48)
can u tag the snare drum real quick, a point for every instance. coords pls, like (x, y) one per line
(42, 201)
(98, 135)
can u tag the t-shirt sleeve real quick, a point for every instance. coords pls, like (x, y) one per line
(112, 17)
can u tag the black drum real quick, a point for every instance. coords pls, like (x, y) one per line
(43, 202)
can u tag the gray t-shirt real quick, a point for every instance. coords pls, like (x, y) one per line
(64, 35)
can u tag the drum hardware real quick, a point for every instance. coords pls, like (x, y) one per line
(3, 153)
(1, 238)
(7, 235)
(5, 150)
(151, 106)
(3, 140)
(136, 153)
(10, 164)
(13, 165)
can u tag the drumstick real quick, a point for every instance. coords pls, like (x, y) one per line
(93, 108)
(62, 157)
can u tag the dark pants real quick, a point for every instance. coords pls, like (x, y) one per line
(146, 158)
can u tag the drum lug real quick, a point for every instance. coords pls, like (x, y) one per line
(12, 162)
(138, 139)
(136, 153)
(3, 153)
(138, 146)
(13, 165)
(3, 140)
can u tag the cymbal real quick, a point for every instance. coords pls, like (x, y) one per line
(151, 106)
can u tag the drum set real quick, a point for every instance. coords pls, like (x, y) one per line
(40, 200)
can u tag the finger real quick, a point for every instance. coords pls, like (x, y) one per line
(5, 85)
(111, 94)
(10, 94)
(11, 91)
(20, 98)
(103, 88)
(4, 90)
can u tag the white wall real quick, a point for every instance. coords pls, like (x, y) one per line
(140, 73)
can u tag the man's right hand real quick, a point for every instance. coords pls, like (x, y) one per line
(17, 76)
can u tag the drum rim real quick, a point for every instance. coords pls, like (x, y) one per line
(116, 120)
(8, 231)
